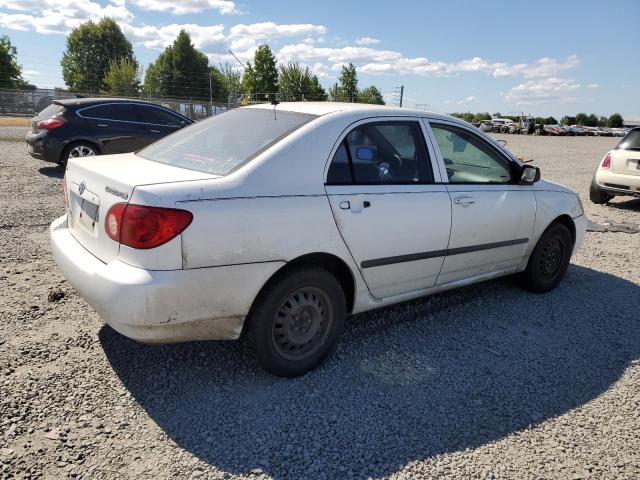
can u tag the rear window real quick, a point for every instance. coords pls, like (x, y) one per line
(223, 143)
(110, 111)
(631, 141)
(52, 109)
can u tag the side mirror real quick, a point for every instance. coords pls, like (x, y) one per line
(183, 123)
(529, 174)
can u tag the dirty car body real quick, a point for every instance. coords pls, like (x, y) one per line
(384, 201)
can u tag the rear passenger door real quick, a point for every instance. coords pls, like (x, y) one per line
(392, 213)
(115, 126)
(156, 122)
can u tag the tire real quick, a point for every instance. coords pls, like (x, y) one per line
(297, 320)
(598, 196)
(550, 259)
(78, 149)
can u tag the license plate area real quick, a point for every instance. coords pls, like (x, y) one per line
(88, 216)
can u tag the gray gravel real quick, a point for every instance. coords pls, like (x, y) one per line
(12, 133)
(485, 382)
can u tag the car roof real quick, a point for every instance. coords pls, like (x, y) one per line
(68, 102)
(326, 108)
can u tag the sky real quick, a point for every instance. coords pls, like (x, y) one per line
(543, 57)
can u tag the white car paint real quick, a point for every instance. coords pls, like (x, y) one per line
(252, 222)
(622, 177)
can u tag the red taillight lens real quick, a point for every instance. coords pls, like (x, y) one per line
(138, 226)
(49, 123)
(606, 163)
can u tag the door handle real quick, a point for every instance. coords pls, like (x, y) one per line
(366, 204)
(464, 201)
(102, 125)
(155, 131)
(345, 205)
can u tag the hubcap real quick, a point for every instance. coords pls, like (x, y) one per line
(81, 151)
(302, 323)
(551, 258)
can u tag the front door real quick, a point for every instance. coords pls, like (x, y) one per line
(492, 215)
(393, 216)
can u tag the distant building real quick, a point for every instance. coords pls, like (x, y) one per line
(631, 123)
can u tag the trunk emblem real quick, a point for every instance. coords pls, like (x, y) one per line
(116, 192)
(82, 187)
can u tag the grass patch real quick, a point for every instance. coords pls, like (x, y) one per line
(14, 122)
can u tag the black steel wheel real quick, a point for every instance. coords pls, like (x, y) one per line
(297, 320)
(550, 259)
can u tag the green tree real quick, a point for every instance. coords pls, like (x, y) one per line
(478, 117)
(317, 93)
(180, 71)
(91, 47)
(615, 121)
(567, 120)
(581, 118)
(550, 121)
(370, 95)
(231, 79)
(123, 77)
(262, 76)
(294, 82)
(10, 70)
(349, 83)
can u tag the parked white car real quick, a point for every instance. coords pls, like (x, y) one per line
(619, 171)
(280, 221)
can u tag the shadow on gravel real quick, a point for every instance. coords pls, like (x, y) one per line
(630, 204)
(437, 375)
(56, 171)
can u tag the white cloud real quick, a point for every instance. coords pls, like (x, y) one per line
(181, 7)
(364, 41)
(593, 85)
(209, 39)
(60, 16)
(470, 98)
(378, 62)
(547, 90)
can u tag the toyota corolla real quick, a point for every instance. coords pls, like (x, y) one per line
(280, 221)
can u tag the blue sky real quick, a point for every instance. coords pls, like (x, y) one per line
(542, 57)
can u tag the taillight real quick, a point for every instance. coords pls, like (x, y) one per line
(49, 123)
(65, 192)
(139, 226)
(606, 163)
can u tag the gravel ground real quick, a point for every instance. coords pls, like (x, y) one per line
(13, 133)
(485, 382)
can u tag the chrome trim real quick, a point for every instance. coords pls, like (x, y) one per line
(181, 117)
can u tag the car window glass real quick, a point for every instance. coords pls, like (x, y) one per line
(111, 111)
(382, 152)
(468, 158)
(158, 116)
(631, 141)
(339, 170)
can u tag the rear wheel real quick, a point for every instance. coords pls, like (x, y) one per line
(297, 321)
(550, 259)
(597, 195)
(78, 149)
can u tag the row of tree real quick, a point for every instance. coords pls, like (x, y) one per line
(614, 121)
(99, 58)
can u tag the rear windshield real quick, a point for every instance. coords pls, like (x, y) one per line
(631, 141)
(223, 143)
(51, 110)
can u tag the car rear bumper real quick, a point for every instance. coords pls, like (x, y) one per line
(161, 306)
(618, 183)
(42, 147)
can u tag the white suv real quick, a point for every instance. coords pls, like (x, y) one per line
(282, 220)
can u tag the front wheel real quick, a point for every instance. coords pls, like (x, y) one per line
(550, 259)
(297, 321)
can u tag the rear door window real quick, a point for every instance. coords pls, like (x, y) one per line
(157, 116)
(123, 112)
(631, 141)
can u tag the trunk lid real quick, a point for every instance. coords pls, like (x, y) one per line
(625, 162)
(94, 184)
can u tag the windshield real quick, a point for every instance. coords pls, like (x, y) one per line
(631, 141)
(223, 143)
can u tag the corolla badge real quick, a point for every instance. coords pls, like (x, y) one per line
(82, 187)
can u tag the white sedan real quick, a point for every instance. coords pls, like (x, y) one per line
(279, 221)
(619, 171)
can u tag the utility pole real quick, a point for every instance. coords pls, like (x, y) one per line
(398, 95)
(237, 59)
(401, 94)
